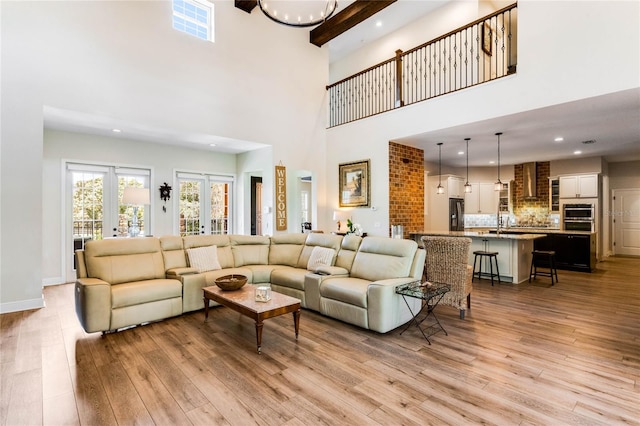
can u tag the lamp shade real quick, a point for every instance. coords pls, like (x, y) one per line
(135, 196)
(336, 215)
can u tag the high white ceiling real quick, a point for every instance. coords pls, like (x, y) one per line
(612, 121)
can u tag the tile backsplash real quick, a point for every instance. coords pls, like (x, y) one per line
(533, 217)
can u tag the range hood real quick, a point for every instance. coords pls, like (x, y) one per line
(529, 181)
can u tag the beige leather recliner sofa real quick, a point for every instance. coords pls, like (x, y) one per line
(127, 282)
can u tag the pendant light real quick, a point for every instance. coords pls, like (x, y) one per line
(298, 13)
(498, 184)
(467, 186)
(440, 188)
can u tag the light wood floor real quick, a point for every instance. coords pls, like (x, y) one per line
(524, 355)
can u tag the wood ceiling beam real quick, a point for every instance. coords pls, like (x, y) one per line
(346, 19)
(246, 5)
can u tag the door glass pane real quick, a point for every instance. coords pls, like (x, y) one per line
(87, 209)
(189, 205)
(87, 206)
(219, 208)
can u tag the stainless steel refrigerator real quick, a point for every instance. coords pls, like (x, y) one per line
(456, 214)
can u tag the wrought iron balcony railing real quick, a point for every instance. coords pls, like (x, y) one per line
(482, 51)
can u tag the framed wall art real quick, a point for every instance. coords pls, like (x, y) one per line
(354, 184)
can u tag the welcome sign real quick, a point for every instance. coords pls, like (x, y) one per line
(281, 198)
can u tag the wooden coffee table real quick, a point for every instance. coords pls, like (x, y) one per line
(243, 301)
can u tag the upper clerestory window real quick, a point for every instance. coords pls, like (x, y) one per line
(194, 17)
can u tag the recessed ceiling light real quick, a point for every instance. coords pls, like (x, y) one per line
(492, 162)
(212, 144)
(378, 23)
(577, 152)
(116, 130)
(559, 139)
(460, 152)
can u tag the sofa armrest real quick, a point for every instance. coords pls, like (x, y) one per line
(331, 270)
(386, 309)
(93, 304)
(176, 273)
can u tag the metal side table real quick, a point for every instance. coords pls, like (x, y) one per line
(430, 294)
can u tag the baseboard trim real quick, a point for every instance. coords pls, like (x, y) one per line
(53, 281)
(22, 305)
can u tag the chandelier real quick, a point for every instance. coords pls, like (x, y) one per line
(298, 13)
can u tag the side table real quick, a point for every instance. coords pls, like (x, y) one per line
(430, 294)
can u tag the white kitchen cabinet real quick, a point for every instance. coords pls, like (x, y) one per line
(483, 199)
(580, 186)
(455, 186)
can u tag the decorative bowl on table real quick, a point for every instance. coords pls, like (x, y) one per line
(231, 282)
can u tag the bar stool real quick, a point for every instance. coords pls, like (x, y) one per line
(490, 255)
(543, 259)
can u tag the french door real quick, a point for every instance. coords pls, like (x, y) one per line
(94, 205)
(204, 204)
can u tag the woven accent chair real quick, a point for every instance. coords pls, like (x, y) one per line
(447, 262)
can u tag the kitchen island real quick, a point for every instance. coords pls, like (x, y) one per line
(575, 250)
(514, 250)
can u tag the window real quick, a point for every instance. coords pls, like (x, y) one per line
(194, 17)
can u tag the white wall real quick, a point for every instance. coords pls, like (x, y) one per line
(163, 160)
(560, 59)
(575, 166)
(624, 175)
(259, 82)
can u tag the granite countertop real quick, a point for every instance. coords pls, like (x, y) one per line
(471, 234)
(533, 230)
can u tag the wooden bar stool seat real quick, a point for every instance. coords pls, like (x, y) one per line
(493, 258)
(543, 259)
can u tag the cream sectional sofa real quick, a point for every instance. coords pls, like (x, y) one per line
(126, 282)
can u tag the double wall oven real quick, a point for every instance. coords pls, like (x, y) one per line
(578, 217)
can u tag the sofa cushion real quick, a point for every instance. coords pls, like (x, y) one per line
(345, 289)
(204, 259)
(139, 292)
(122, 260)
(222, 242)
(348, 250)
(380, 258)
(173, 252)
(250, 250)
(320, 256)
(289, 277)
(285, 249)
(314, 240)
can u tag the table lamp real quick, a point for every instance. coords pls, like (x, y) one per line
(135, 197)
(336, 216)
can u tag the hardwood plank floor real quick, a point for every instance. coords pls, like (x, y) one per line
(531, 354)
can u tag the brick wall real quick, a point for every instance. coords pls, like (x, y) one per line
(539, 205)
(406, 188)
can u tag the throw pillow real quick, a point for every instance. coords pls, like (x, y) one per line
(320, 256)
(204, 258)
